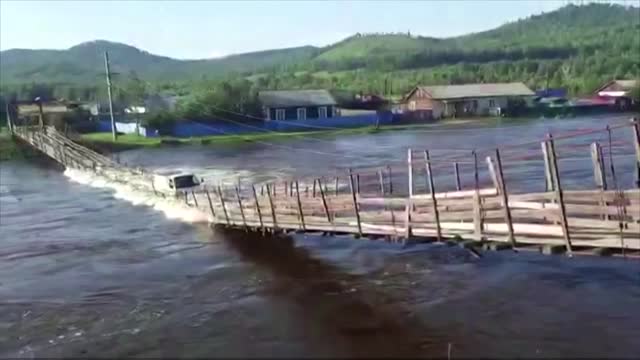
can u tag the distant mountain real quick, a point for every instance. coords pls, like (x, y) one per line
(84, 63)
(573, 34)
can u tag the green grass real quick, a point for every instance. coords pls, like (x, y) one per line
(130, 141)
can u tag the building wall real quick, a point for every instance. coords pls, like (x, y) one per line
(475, 106)
(291, 113)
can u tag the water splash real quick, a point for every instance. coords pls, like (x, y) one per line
(172, 208)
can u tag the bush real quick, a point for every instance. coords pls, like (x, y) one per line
(161, 121)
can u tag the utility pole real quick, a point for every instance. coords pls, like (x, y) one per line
(113, 121)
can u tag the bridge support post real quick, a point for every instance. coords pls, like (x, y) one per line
(559, 195)
(432, 191)
(505, 200)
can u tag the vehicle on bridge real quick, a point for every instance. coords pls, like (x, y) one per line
(173, 183)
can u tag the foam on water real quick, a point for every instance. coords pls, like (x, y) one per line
(170, 207)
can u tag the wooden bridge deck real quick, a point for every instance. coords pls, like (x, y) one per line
(560, 219)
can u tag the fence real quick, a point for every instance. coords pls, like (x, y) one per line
(220, 127)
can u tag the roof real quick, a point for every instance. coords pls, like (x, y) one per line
(444, 92)
(293, 98)
(618, 85)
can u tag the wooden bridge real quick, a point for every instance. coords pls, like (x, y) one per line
(401, 202)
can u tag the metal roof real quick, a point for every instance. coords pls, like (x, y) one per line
(618, 85)
(444, 92)
(293, 98)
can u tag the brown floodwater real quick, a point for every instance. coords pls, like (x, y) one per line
(86, 273)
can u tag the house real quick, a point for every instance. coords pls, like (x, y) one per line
(618, 92)
(297, 104)
(435, 102)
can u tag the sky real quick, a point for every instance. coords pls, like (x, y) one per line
(207, 29)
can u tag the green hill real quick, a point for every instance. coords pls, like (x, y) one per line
(84, 63)
(574, 46)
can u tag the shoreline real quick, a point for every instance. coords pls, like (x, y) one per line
(103, 141)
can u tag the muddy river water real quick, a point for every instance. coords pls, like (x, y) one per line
(87, 273)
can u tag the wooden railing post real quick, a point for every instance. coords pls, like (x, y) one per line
(300, 212)
(244, 221)
(153, 186)
(390, 179)
(548, 177)
(224, 206)
(324, 203)
(314, 188)
(213, 213)
(432, 191)
(477, 201)
(358, 183)
(381, 182)
(410, 171)
(559, 194)
(195, 200)
(255, 197)
(636, 142)
(272, 208)
(505, 199)
(456, 175)
(355, 202)
(336, 189)
(599, 176)
(492, 173)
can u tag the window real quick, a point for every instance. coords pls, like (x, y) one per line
(475, 104)
(280, 114)
(322, 112)
(302, 113)
(412, 105)
(492, 103)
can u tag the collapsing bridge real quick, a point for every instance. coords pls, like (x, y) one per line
(498, 208)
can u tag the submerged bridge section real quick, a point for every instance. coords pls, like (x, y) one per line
(401, 202)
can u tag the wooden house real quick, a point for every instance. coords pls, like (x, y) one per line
(435, 102)
(297, 104)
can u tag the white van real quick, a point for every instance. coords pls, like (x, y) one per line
(175, 183)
